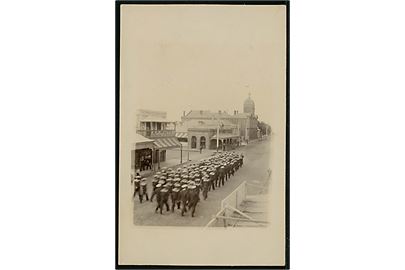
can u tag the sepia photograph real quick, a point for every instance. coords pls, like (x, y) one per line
(206, 173)
(202, 135)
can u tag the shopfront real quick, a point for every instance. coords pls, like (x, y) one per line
(160, 146)
(226, 142)
(142, 154)
(143, 159)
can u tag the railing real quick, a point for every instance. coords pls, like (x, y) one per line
(157, 133)
(236, 197)
(229, 206)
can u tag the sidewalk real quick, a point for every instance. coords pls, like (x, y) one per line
(173, 156)
(173, 159)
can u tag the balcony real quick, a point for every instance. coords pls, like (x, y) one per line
(151, 134)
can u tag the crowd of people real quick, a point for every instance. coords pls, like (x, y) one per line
(184, 185)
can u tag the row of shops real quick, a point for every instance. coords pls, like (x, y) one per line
(147, 154)
(198, 139)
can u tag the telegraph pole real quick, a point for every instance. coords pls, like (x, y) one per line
(217, 136)
(181, 153)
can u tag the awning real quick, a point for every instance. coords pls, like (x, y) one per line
(166, 143)
(182, 135)
(224, 136)
(142, 142)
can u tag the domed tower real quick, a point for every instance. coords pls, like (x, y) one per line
(249, 106)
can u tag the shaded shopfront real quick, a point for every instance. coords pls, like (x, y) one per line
(225, 141)
(142, 153)
(160, 146)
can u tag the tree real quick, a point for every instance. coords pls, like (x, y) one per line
(264, 128)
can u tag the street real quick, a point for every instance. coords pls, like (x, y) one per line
(254, 170)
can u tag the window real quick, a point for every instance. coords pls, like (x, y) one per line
(202, 142)
(194, 142)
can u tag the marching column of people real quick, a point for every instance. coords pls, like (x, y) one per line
(183, 185)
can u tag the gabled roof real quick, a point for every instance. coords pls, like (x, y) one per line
(199, 114)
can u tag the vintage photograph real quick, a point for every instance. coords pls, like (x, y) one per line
(202, 134)
(212, 167)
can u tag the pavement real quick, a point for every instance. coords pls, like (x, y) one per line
(173, 158)
(254, 170)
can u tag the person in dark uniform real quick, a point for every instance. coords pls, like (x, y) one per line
(212, 181)
(227, 171)
(216, 176)
(206, 186)
(221, 176)
(158, 196)
(183, 197)
(168, 185)
(175, 196)
(137, 187)
(144, 186)
(193, 198)
(198, 189)
(154, 183)
(162, 199)
(237, 164)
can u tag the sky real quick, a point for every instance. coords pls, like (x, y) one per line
(185, 58)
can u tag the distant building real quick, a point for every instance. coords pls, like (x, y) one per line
(154, 124)
(204, 133)
(155, 134)
(249, 106)
(249, 120)
(245, 124)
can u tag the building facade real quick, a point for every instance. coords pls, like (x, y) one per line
(210, 134)
(154, 126)
(245, 123)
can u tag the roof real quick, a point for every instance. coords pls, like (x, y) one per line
(206, 114)
(155, 119)
(141, 139)
(209, 123)
(142, 142)
(199, 114)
